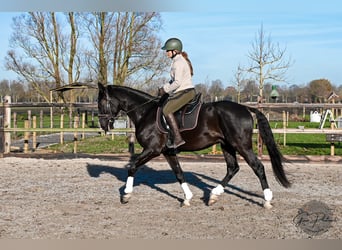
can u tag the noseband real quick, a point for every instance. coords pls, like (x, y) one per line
(109, 117)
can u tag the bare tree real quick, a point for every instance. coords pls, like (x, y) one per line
(231, 94)
(17, 92)
(125, 46)
(239, 77)
(249, 91)
(54, 48)
(99, 27)
(70, 48)
(4, 88)
(216, 90)
(142, 60)
(268, 62)
(40, 50)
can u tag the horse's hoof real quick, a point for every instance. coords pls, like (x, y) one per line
(268, 205)
(125, 198)
(186, 203)
(213, 199)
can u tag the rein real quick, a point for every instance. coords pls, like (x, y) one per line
(111, 117)
(153, 99)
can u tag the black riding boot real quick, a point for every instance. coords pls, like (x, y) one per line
(177, 138)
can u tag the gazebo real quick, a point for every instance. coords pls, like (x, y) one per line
(73, 86)
(70, 87)
(332, 97)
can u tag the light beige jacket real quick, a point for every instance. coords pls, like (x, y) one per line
(180, 76)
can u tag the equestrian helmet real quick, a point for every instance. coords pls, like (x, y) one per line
(173, 44)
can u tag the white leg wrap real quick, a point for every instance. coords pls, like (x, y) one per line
(268, 194)
(218, 190)
(186, 190)
(129, 185)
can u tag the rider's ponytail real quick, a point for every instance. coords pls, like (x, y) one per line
(185, 55)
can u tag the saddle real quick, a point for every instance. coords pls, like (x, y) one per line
(186, 117)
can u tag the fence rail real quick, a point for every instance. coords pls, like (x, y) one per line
(132, 130)
(303, 131)
(78, 126)
(59, 130)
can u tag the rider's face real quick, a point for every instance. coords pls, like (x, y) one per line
(169, 53)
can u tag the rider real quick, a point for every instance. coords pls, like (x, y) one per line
(180, 87)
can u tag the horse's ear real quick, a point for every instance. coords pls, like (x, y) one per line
(101, 87)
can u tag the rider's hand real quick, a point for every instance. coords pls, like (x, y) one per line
(161, 92)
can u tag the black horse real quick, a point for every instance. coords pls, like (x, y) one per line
(224, 122)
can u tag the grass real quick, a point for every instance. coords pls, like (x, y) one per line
(296, 144)
(98, 145)
(306, 144)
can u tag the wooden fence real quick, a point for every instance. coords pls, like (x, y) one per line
(79, 124)
(77, 121)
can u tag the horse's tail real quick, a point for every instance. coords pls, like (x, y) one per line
(272, 148)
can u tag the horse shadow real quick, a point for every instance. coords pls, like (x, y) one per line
(154, 178)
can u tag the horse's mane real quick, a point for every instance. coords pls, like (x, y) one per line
(137, 92)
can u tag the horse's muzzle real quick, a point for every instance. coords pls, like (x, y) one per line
(106, 123)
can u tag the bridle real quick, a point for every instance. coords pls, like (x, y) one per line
(110, 117)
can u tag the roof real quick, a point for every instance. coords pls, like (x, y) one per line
(332, 96)
(76, 85)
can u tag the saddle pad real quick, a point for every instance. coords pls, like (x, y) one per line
(186, 120)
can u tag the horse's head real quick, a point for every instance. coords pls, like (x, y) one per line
(108, 108)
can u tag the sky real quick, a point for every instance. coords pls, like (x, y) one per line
(218, 35)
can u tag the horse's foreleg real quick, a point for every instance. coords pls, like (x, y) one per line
(174, 164)
(128, 190)
(187, 194)
(141, 159)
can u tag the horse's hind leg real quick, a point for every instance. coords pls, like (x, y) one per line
(232, 169)
(259, 170)
(172, 159)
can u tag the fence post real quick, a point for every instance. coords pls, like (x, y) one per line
(2, 135)
(76, 121)
(92, 119)
(70, 116)
(26, 136)
(51, 117)
(7, 123)
(83, 125)
(332, 144)
(34, 134)
(284, 127)
(29, 115)
(15, 124)
(62, 126)
(41, 120)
